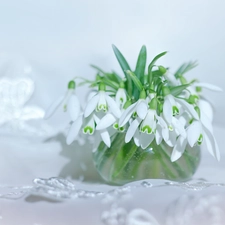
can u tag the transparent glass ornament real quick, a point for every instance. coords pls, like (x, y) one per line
(125, 162)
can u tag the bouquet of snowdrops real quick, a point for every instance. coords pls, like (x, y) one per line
(141, 109)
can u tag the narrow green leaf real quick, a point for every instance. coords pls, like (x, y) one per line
(136, 81)
(110, 83)
(156, 58)
(175, 91)
(113, 77)
(140, 69)
(141, 64)
(152, 64)
(97, 68)
(124, 65)
(184, 68)
(122, 61)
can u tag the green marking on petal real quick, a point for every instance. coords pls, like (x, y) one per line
(88, 130)
(175, 111)
(200, 139)
(134, 114)
(116, 126)
(146, 129)
(65, 108)
(121, 129)
(170, 127)
(191, 121)
(102, 107)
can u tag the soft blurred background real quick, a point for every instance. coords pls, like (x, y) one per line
(45, 43)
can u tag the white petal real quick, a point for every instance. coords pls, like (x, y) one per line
(167, 111)
(150, 119)
(90, 123)
(193, 132)
(172, 138)
(184, 118)
(137, 137)
(91, 94)
(106, 121)
(179, 148)
(179, 127)
(113, 106)
(171, 99)
(206, 122)
(142, 109)
(211, 144)
(121, 97)
(74, 107)
(74, 130)
(131, 130)
(165, 134)
(53, 107)
(105, 137)
(146, 140)
(163, 125)
(158, 135)
(206, 108)
(102, 100)
(126, 115)
(161, 122)
(189, 108)
(91, 105)
(208, 86)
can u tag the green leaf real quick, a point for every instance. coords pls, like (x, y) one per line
(97, 68)
(185, 68)
(122, 61)
(175, 91)
(140, 69)
(136, 81)
(124, 65)
(113, 77)
(141, 64)
(110, 83)
(152, 64)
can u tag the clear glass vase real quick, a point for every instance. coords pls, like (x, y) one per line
(125, 162)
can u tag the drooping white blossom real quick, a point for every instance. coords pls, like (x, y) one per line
(69, 102)
(101, 102)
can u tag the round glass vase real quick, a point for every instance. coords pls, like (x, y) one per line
(125, 162)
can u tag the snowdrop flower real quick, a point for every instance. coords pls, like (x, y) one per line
(198, 132)
(110, 119)
(89, 127)
(146, 127)
(172, 106)
(201, 132)
(121, 97)
(68, 101)
(102, 102)
(139, 109)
